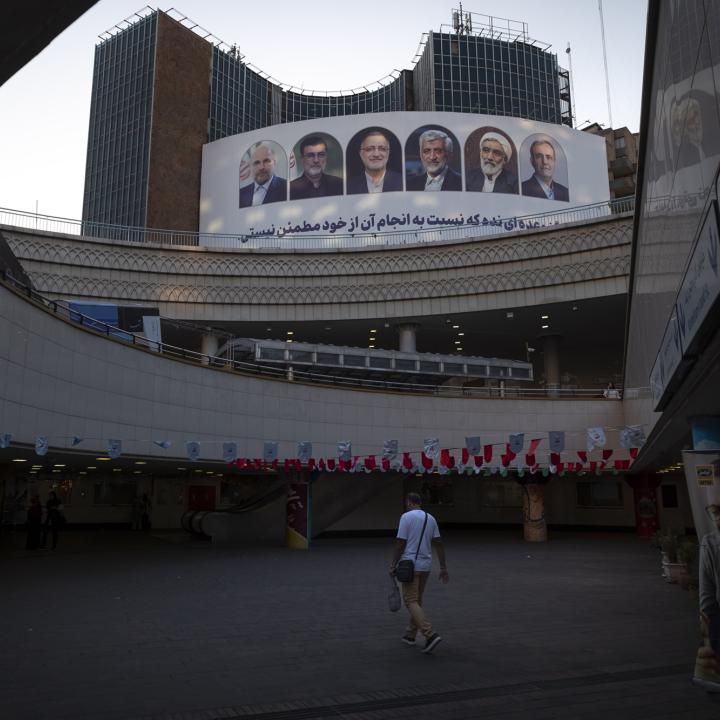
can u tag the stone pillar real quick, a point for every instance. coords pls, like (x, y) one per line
(299, 505)
(209, 346)
(552, 363)
(645, 501)
(407, 337)
(534, 523)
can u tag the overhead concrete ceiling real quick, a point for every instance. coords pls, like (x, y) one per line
(29, 27)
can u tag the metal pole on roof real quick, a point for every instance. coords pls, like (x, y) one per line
(607, 77)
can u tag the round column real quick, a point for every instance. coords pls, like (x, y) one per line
(551, 357)
(209, 346)
(407, 337)
(534, 523)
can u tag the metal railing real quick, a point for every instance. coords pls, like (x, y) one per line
(501, 391)
(284, 239)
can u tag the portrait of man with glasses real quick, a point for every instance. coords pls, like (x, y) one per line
(372, 174)
(314, 181)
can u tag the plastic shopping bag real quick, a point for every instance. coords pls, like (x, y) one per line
(394, 596)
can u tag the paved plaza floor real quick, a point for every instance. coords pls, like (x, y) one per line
(118, 625)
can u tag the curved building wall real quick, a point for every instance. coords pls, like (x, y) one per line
(575, 262)
(60, 381)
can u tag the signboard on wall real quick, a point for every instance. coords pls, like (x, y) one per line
(405, 171)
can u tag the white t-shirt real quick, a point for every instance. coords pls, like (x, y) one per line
(411, 525)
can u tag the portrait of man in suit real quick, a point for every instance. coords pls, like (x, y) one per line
(542, 183)
(496, 172)
(315, 182)
(266, 187)
(436, 152)
(374, 176)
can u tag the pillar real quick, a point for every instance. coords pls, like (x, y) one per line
(534, 523)
(645, 502)
(407, 337)
(551, 357)
(298, 509)
(209, 346)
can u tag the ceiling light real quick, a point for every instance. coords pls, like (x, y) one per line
(544, 327)
(289, 340)
(82, 472)
(455, 327)
(290, 332)
(328, 328)
(137, 472)
(103, 458)
(140, 462)
(461, 334)
(117, 469)
(371, 346)
(544, 317)
(458, 348)
(509, 314)
(58, 465)
(181, 468)
(574, 307)
(268, 329)
(457, 342)
(91, 467)
(373, 330)
(19, 460)
(56, 471)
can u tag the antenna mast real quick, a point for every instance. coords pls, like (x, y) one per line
(607, 77)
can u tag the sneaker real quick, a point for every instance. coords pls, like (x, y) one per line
(431, 643)
(408, 640)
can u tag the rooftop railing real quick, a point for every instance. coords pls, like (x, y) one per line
(284, 239)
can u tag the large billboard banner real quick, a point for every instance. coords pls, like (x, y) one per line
(406, 171)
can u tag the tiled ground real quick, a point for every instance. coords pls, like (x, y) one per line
(119, 625)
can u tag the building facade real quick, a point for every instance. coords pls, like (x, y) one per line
(152, 109)
(621, 147)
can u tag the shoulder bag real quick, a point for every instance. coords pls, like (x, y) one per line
(405, 570)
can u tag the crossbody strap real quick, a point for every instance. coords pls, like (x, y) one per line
(421, 536)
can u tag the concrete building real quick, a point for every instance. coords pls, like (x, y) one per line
(152, 108)
(622, 147)
(65, 381)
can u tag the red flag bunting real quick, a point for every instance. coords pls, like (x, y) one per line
(465, 455)
(331, 464)
(311, 464)
(593, 465)
(554, 458)
(634, 452)
(407, 461)
(427, 463)
(321, 464)
(386, 464)
(582, 455)
(530, 459)
(488, 453)
(478, 460)
(534, 445)
(370, 463)
(607, 454)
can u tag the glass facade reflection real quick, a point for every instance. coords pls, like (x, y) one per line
(118, 152)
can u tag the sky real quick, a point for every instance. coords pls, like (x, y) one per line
(332, 46)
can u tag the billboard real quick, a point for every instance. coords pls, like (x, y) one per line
(407, 171)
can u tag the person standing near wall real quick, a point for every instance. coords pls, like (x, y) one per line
(53, 519)
(417, 534)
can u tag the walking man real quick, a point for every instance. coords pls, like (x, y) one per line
(417, 534)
